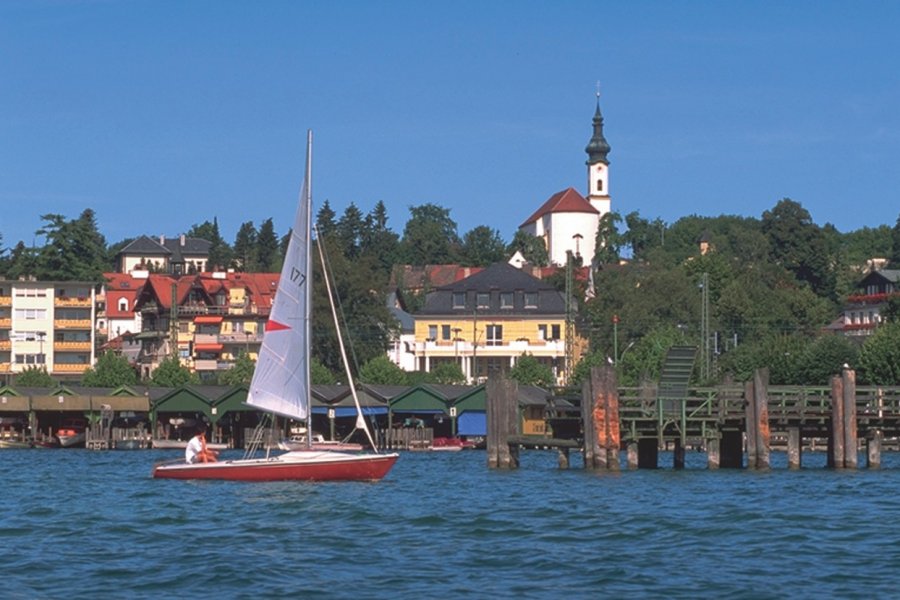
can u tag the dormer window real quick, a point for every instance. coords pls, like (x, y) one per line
(506, 300)
(483, 300)
(459, 300)
(531, 299)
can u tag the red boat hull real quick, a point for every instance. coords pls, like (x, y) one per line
(324, 466)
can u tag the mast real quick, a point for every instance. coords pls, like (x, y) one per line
(307, 318)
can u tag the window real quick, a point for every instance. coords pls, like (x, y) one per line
(599, 185)
(31, 314)
(531, 299)
(30, 359)
(123, 305)
(506, 300)
(445, 332)
(432, 332)
(548, 332)
(459, 299)
(483, 300)
(495, 335)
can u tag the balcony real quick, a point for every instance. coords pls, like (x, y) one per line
(5, 367)
(206, 338)
(546, 348)
(72, 301)
(71, 346)
(72, 324)
(211, 364)
(6, 323)
(5, 300)
(70, 368)
(5, 345)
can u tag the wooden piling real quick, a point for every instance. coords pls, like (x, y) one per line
(837, 437)
(794, 447)
(761, 411)
(713, 454)
(631, 451)
(873, 449)
(591, 443)
(848, 398)
(750, 423)
(602, 436)
(502, 421)
(678, 454)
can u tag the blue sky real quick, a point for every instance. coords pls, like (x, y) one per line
(160, 115)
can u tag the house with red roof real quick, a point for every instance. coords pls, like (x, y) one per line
(206, 319)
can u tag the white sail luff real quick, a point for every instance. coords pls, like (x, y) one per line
(280, 383)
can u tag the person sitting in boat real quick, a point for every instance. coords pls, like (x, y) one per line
(196, 450)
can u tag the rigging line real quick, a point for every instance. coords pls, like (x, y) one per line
(360, 418)
(326, 268)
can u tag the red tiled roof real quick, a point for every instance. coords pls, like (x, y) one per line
(567, 200)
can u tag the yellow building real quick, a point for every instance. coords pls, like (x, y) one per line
(485, 322)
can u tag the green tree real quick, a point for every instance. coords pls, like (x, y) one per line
(531, 246)
(608, 241)
(245, 248)
(590, 360)
(482, 246)
(382, 371)
(429, 237)
(241, 373)
(530, 371)
(34, 376)
(269, 255)
(643, 235)
(895, 243)
(825, 357)
(879, 358)
(22, 262)
(349, 231)
(378, 242)
(75, 250)
(111, 371)
(319, 373)
(799, 245)
(448, 373)
(325, 220)
(171, 373)
(365, 319)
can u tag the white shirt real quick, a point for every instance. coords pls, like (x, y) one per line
(193, 449)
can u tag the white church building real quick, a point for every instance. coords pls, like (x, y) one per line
(568, 221)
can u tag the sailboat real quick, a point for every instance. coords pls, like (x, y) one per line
(281, 380)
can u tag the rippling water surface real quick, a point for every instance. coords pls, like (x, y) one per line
(81, 524)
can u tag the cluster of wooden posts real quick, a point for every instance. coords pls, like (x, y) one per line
(728, 427)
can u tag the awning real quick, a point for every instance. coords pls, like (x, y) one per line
(472, 422)
(208, 347)
(208, 319)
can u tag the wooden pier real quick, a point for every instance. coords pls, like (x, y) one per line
(728, 422)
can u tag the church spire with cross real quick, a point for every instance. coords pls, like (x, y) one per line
(598, 164)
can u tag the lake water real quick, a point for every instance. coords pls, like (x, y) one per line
(82, 524)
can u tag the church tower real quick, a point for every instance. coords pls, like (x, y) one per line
(598, 166)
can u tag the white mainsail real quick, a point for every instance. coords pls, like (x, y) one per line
(280, 383)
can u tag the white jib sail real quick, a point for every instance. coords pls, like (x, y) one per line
(280, 381)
